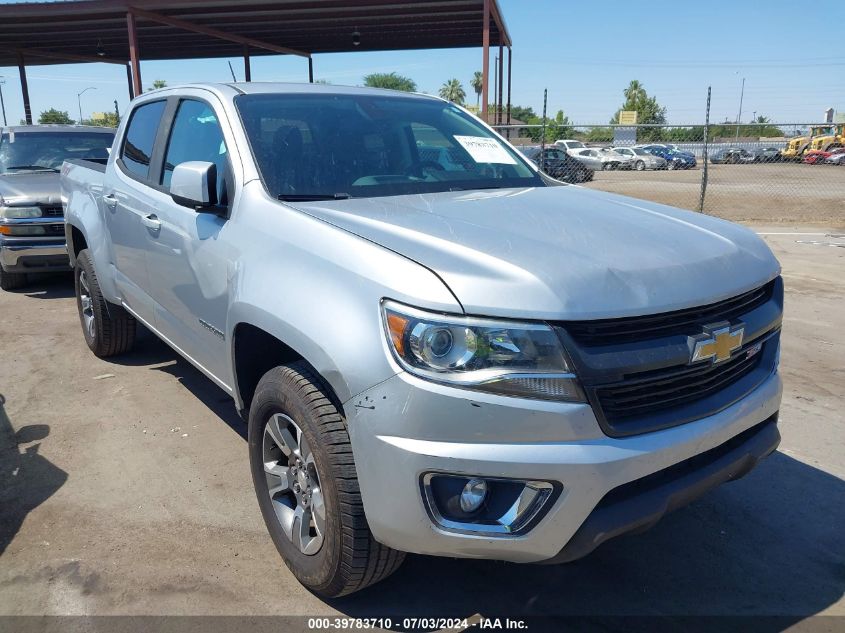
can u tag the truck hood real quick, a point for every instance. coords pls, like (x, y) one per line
(561, 252)
(22, 188)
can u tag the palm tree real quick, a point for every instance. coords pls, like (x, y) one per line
(453, 91)
(477, 84)
(634, 93)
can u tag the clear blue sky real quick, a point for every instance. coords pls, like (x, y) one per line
(585, 53)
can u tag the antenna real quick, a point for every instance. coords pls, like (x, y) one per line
(232, 70)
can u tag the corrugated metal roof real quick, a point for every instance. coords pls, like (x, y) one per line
(63, 31)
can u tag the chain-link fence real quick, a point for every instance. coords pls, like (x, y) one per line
(779, 172)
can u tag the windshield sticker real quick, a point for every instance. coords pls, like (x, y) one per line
(485, 150)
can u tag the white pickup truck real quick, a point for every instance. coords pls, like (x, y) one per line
(457, 358)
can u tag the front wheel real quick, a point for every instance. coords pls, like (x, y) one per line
(12, 281)
(304, 475)
(672, 165)
(109, 330)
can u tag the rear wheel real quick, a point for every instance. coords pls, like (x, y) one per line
(639, 165)
(671, 165)
(108, 328)
(304, 475)
(11, 281)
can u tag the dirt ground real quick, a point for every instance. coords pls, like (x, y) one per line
(125, 489)
(782, 193)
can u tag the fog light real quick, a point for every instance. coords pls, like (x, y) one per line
(473, 495)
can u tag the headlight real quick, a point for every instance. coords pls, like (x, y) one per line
(20, 213)
(13, 230)
(505, 357)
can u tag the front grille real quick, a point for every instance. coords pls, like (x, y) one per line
(54, 229)
(673, 387)
(687, 322)
(52, 212)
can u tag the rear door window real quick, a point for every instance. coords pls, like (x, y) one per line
(137, 150)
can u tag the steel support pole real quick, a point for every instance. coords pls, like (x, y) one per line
(133, 54)
(27, 108)
(485, 64)
(310, 70)
(129, 82)
(3, 103)
(247, 68)
(510, 63)
(500, 101)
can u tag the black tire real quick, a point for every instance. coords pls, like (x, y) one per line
(111, 329)
(12, 281)
(671, 165)
(639, 165)
(349, 558)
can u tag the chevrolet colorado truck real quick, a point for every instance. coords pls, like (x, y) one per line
(469, 361)
(32, 232)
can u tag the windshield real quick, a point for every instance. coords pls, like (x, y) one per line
(640, 152)
(325, 146)
(37, 151)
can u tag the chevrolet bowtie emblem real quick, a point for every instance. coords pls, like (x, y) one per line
(716, 343)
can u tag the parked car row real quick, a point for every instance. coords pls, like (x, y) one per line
(739, 155)
(560, 165)
(820, 157)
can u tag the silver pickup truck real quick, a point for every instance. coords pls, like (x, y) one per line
(32, 233)
(438, 349)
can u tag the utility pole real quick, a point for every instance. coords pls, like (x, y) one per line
(739, 116)
(79, 101)
(116, 113)
(2, 103)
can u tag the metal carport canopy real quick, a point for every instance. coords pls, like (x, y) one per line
(127, 32)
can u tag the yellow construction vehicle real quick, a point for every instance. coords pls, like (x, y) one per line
(796, 147)
(828, 138)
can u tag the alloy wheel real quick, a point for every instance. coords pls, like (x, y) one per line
(293, 484)
(87, 305)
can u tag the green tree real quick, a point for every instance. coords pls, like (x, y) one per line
(55, 116)
(477, 84)
(556, 128)
(158, 83)
(453, 91)
(109, 119)
(647, 108)
(523, 113)
(391, 81)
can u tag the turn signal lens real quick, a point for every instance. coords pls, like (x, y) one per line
(13, 230)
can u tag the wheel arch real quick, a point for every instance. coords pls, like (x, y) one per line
(257, 347)
(76, 241)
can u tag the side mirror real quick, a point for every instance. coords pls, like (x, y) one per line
(194, 184)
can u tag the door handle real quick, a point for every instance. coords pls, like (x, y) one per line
(110, 200)
(151, 222)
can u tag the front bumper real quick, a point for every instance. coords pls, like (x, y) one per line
(29, 256)
(406, 427)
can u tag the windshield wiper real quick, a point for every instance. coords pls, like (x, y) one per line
(310, 197)
(479, 187)
(33, 168)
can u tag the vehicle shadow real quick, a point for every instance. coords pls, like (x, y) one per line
(49, 286)
(26, 478)
(771, 544)
(152, 352)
